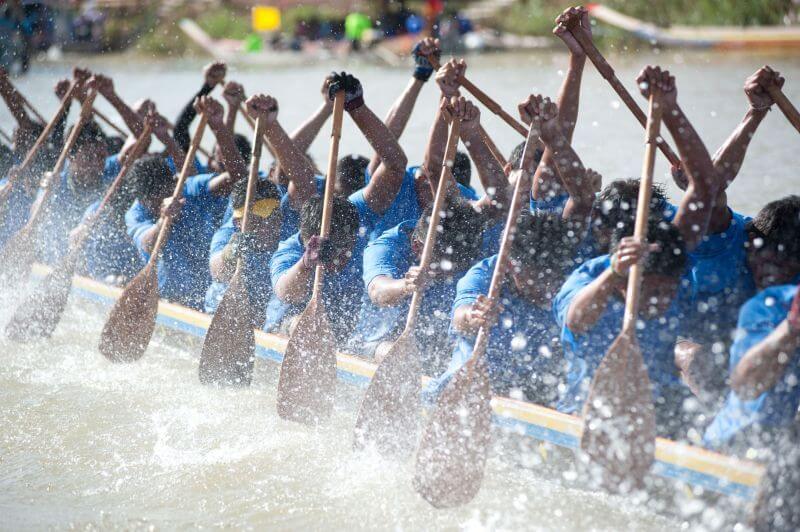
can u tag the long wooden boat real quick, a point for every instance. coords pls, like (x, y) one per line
(679, 465)
(716, 37)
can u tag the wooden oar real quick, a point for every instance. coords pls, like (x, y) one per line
(486, 100)
(229, 347)
(252, 123)
(789, 110)
(130, 325)
(41, 311)
(452, 452)
(619, 432)
(605, 70)
(389, 412)
(48, 129)
(109, 123)
(308, 373)
(32, 109)
(19, 252)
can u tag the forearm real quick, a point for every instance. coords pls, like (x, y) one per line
(590, 303)
(491, 174)
(57, 136)
(293, 163)
(235, 166)
(764, 364)
(729, 157)
(131, 119)
(222, 265)
(177, 154)
(387, 292)
(437, 139)
(15, 103)
(185, 118)
(569, 96)
(461, 321)
(305, 134)
(294, 286)
(573, 177)
(399, 114)
(149, 237)
(382, 140)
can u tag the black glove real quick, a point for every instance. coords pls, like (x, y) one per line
(422, 67)
(353, 92)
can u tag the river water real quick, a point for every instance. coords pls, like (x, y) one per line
(86, 444)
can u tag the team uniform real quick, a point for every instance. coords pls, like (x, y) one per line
(183, 274)
(764, 417)
(109, 254)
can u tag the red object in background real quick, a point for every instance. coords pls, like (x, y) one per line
(435, 7)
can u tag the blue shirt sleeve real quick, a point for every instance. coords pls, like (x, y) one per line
(138, 220)
(389, 254)
(577, 281)
(475, 282)
(197, 186)
(368, 218)
(221, 237)
(288, 253)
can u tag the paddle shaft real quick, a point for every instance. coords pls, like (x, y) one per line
(433, 224)
(330, 184)
(255, 158)
(643, 210)
(605, 70)
(163, 234)
(252, 123)
(486, 100)
(789, 110)
(521, 192)
(32, 109)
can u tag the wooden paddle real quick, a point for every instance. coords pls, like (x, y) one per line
(605, 70)
(789, 110)
(48, 129)
(308, 373)
(130, 325)
(39, 314)
(32, 109)
(619, 431)
(389, 412)
(454, 445)
(229, 348)
(20, 250)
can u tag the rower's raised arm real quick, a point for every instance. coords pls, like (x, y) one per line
(234, 97)
(568, 101)
(382, 188)
(446, 79)
(161, 132)
(306, 132)
(214, 74)
(695, 210)
(235, 166)
(14, 101)
(105, 86)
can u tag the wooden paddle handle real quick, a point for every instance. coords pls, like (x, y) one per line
(109, 123)
(32, 109)
(330, 183)
(605, 70)
(498, 156)
(163, 234)
(255, 159)
(643, 208)
(789, 110)
(521, 194)
(486, 100)
(436, 212)
(252, 123)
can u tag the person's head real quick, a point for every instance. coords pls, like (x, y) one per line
(350, 174)
(542, 253)
(114, 143)
(23, 139)
(343, 233)
(242, 145)
(87, 158)
(458, 241)
(462, 169)
(663, 267)
(265, 213)
(515, 159)
(773, 249)
(614, 210)
(150, 180)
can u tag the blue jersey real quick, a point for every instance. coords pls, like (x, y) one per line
(583, 352)
(390, 255)
(342, 291)
(523, 350)
(256, 272)
(555, 204)
(16, 210)
(183, 274)
(108, 252)
(776, 407)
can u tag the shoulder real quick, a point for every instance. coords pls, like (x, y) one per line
(198, 184)
(767, 308)
(481, 271)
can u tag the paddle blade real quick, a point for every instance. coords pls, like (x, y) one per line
(619, 427)
(389, 415)
(17, 256)
(308, 373)
(130, 325)
(229, 347)
(39, 314)
(452, 453)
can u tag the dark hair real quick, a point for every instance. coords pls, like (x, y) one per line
(614, 207)
(544, 240)
(150, 176)
(6, 159)
(263, 189)
(460, 235)
(114, 143)
(243, 145)
(777, 224)
(26, 137)
(90, 136)
(516, 156)
(462, 169)
(350, 171)
(344, 220)
(671, 259)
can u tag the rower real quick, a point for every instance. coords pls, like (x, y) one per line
(213, 75)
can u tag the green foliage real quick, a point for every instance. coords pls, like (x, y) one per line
(225, 23)
(164, 39)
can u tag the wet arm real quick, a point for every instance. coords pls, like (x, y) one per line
(15, 103)
(305, 134)
(765, 363)
(385, 291)
(573, 177)
(294, 164)
(235, 167)
(294, 286)
(131, 119)
(399, 114)
(590, 303)
(491, 174)
(185, 118)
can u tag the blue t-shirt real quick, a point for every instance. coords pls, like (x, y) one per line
(776, 407)
(16, 210)
(183, 274)
(554, 204)
(108, 250)
(583, 352)
(342, 292)
(721, 283)
(523, 350)
(391, 255)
